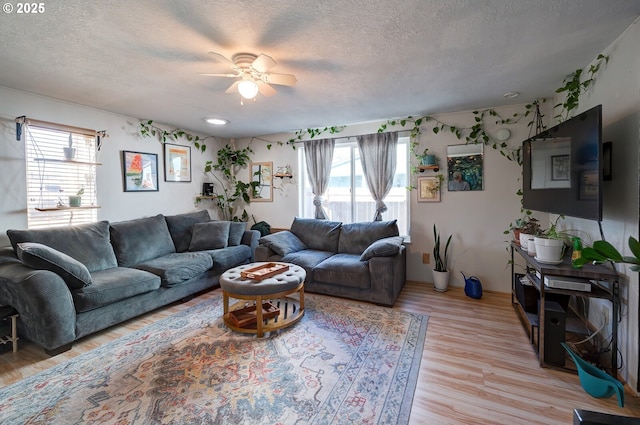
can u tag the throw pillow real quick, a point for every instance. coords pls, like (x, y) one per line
(386, 247)
(209, 235)
(42, 257)
(236, 231)
(283, 243)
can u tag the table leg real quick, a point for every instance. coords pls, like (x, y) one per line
(260, 323)
(225, 302)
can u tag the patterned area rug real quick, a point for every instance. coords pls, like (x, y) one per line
(343, 363)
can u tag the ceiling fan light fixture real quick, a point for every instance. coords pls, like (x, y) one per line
(216, 121)
(248, 88)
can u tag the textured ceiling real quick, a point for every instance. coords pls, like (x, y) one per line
(355, 60)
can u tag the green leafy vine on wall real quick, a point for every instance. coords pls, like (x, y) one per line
(311, 133)
(147, 129)
(574, 86)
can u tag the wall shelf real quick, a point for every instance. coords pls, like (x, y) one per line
(68, 161)
(424, 168)
(92, 207)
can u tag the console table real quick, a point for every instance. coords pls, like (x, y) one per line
(604, 284)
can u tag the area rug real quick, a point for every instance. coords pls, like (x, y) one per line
(343, 363)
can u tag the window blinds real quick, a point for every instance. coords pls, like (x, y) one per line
(52, 177)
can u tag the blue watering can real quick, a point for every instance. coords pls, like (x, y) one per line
(472, 287)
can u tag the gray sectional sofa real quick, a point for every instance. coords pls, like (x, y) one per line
(362, 261)
(69, 282)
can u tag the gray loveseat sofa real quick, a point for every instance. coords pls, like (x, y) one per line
(362, 261)
(69, 282)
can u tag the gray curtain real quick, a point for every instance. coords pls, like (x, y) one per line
(378, 158)
(318, 155)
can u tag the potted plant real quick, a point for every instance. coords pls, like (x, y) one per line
(70, 151)
(603, 251)
(76, 200)
(440, 270)
(550, 245)
(426, 158)
(522, 228)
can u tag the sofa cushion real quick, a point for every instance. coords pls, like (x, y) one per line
(282, 243)
(236, 231)
(181, 225)
(343, 270)
(356, 237)
(38, 256)
(142, 239)
(386, 247)
(321, 235)
(307, 259)
(112, 285)
(177, 267)
(230, 256)
(209, 235)
(87, 243)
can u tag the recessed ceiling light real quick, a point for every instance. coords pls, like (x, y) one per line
(511, 94)
(217, 121)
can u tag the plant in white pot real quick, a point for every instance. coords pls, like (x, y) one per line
(440, 270)
(550, 245)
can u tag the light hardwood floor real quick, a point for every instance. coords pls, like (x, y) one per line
(477, 367)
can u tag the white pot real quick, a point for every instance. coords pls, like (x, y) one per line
(523, 240)
(549, 249)
(440, 281)
(531, 247)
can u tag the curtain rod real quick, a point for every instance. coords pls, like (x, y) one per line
(56, 126)
(403, 133)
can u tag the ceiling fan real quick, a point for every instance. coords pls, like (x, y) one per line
(253, 74)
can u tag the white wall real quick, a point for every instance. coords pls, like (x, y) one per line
(115, 204)
(617, 88)
(476, 219)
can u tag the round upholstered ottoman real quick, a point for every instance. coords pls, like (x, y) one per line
(263, 290)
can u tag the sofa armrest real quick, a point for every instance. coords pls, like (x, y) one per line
(264, 253)
(388, 275)
(250, 238)
(43, 301)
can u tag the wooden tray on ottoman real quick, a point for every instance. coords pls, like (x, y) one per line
(248, 315)
(264, 271)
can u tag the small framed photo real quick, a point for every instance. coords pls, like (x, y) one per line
(177, 163)
(140, 171)
(428, 189)
(560, 167)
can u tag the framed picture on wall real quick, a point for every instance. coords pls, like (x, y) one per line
(177, 163)
(560, 166)
(262, 174)
(140, 171)
(428, 189)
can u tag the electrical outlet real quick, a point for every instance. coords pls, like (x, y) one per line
(425, 258)
(605, 313)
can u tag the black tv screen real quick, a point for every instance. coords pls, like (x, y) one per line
(562, 168)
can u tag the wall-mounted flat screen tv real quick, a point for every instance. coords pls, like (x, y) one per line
(562, 168)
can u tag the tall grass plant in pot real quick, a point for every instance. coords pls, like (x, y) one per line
(441, 259)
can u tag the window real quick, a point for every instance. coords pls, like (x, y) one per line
(348, 198)
(60, 161)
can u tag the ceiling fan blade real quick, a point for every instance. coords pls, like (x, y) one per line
(232, 88)
(263, 63)
(281, 79)
(218, 75)
(222, 58)
(266, 90)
